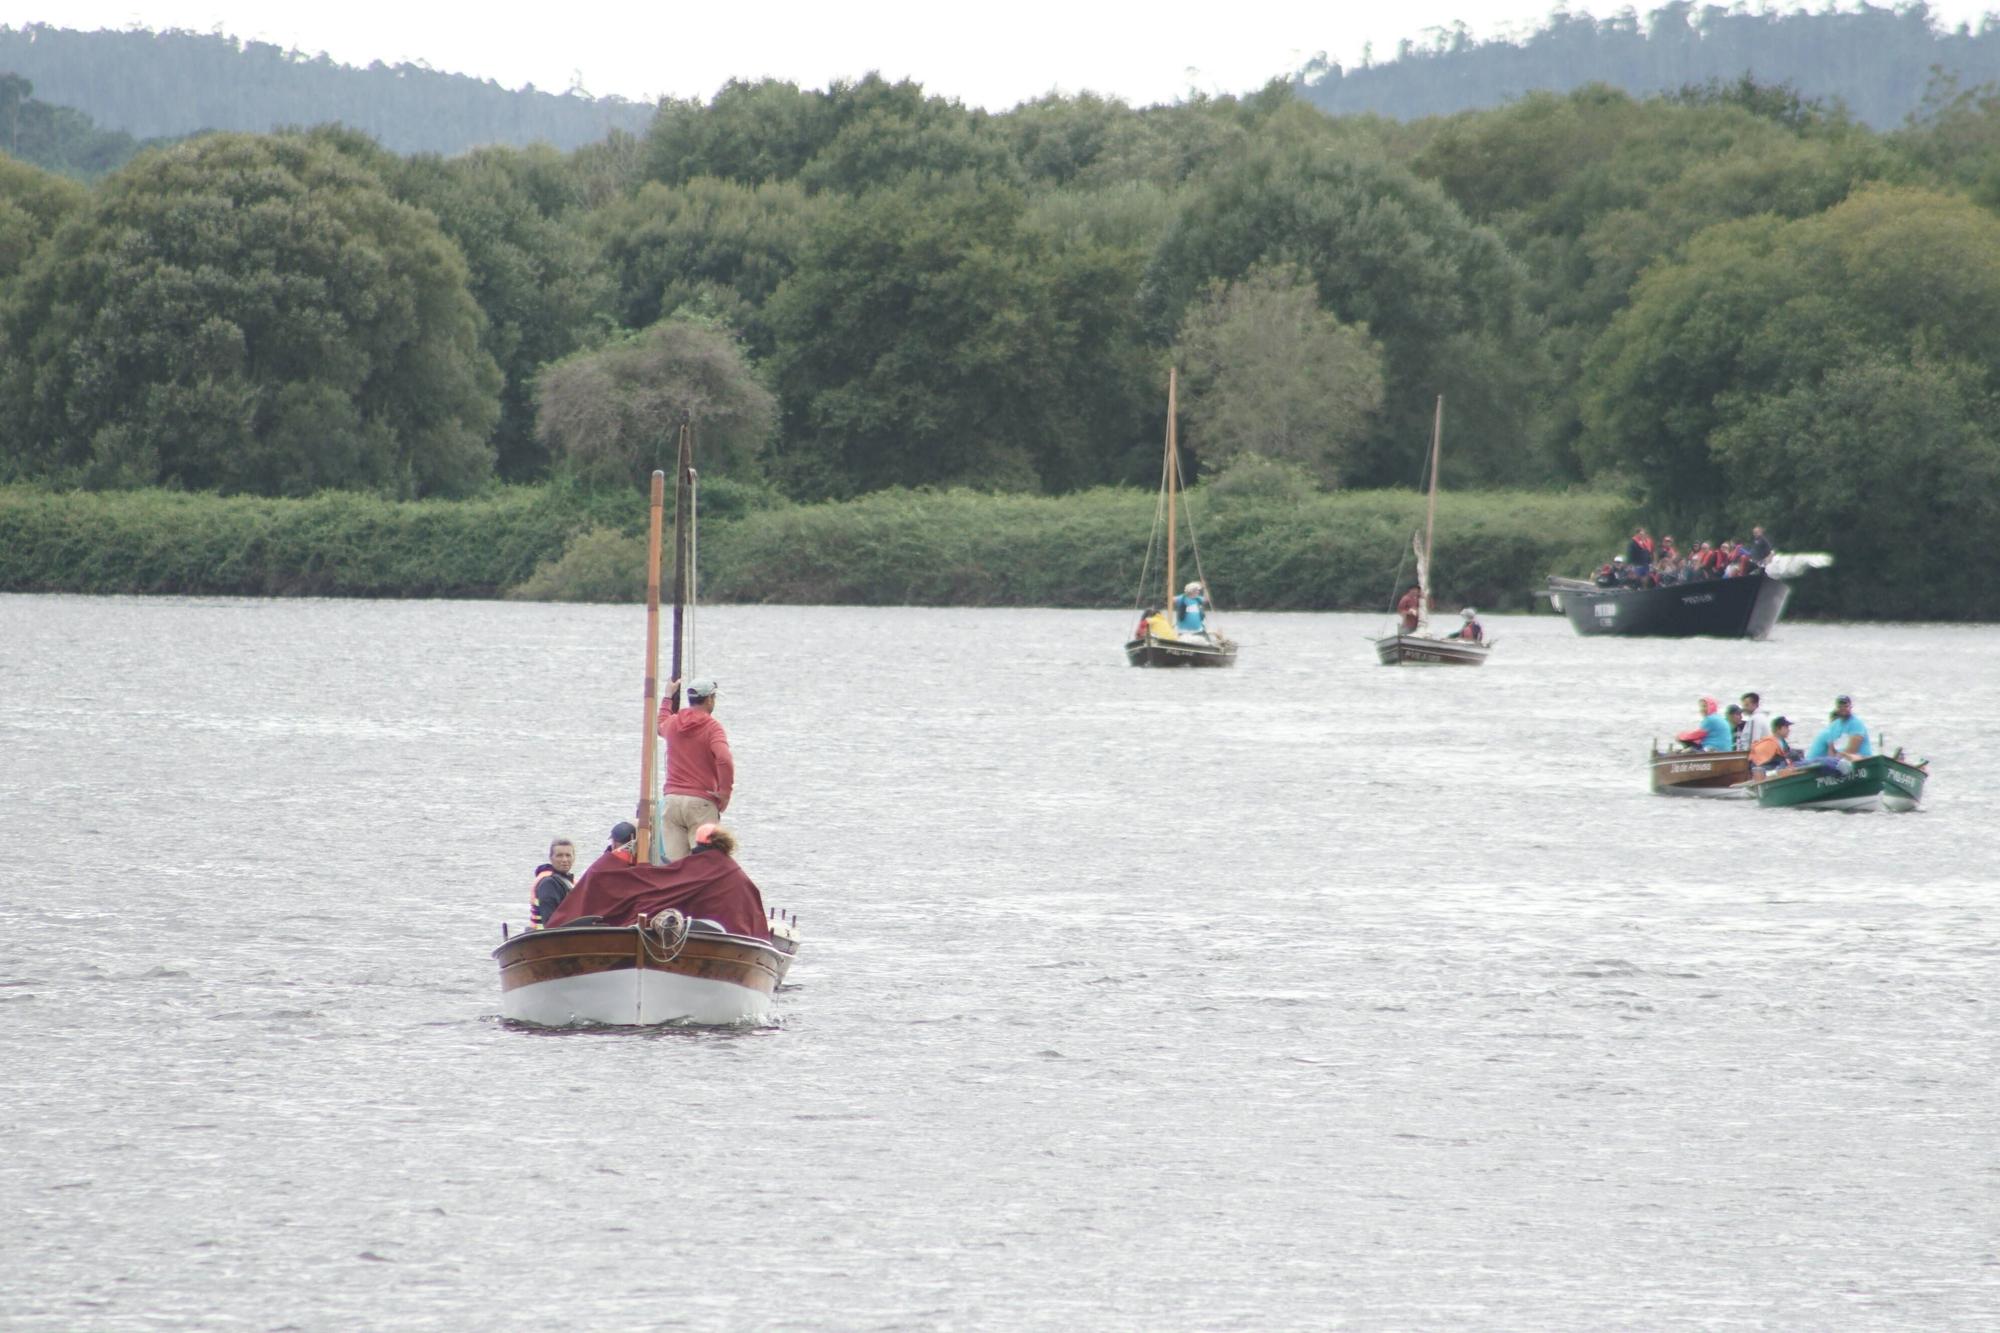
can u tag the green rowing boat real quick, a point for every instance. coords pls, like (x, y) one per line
(1878, 780)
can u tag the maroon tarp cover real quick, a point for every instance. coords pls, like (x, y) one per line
(707, 884)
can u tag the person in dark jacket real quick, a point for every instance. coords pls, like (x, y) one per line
(553, 882)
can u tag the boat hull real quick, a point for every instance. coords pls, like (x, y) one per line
(626, 976)
(1694, 773)
(1423, 650)
(1739, 608)
(1878, 781)
(1157, 652)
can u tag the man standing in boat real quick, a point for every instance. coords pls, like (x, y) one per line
(701, 772)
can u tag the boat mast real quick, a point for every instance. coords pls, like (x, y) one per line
(1171, 480)
(1430, 516)
(643, 816)
(683, 497)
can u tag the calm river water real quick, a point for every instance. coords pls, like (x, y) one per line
(1309, 995)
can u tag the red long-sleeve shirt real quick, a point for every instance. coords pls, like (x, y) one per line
(698, 758)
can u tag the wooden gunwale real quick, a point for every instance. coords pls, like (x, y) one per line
(550, 955)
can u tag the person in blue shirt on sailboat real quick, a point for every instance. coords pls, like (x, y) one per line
(1191, 610)
(1843, 738)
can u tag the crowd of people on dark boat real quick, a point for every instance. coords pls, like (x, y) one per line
(1745, 727)
(1650, 564)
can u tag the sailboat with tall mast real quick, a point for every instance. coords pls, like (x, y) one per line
(1163, 637)
(1421, 646)
(682, 942)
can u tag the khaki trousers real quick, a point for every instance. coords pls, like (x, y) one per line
(681, 816)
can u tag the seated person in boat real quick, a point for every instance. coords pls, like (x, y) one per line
(706, 884)
(1775, 750)
(624, 842)
(1410, 606)
(713, 838)
(1844, 736)
(1191, 610)
(1713, 736)
(1151, 621)
(552, 883)
(1470, 631)
(1735, 715)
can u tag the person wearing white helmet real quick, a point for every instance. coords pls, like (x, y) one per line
(1470, 630)
(1191, 610)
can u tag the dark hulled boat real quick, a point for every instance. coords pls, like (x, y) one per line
(1739, 608)
(1157, 651)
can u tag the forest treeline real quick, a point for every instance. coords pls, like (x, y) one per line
(170, 84)
(1879, 62)
(1730, 304)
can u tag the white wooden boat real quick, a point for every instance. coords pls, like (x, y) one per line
(666, 970)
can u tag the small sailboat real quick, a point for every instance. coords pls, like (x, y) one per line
(638, 942)
(1420, 645)
(1163, 637)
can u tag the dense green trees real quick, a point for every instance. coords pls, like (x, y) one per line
(1729, 303)
(516, 217)
(612, 414)
(1836, 374)
(1441, 294)
(248, 314)
(920, 343)
(1272, 374)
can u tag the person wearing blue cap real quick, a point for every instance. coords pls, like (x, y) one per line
(701, 772)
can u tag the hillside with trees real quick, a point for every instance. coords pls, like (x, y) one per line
(153, 85)
(1719, 307)
(1879, 62)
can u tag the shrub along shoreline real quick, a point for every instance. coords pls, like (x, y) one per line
(1259, 551)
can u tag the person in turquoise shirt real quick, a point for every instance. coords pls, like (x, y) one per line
(1191, 610)
(1716, 733)
(1845, 736)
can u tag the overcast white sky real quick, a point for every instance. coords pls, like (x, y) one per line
(992, 55)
